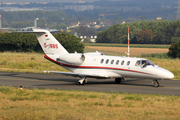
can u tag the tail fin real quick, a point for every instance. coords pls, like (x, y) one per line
(48, 43)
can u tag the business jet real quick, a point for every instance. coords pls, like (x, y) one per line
(98, 65)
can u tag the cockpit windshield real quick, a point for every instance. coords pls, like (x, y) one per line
(144, 63)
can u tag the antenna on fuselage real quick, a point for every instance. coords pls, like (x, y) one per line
(128, 42)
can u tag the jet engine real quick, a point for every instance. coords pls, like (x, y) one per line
(73, 58)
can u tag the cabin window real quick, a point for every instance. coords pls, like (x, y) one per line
(122, 63)
(107, 61)
(128, 63)
(112, 61)
(117, 62)
(102, 60)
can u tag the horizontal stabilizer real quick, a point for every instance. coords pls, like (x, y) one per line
(36, 32)
(77, 74)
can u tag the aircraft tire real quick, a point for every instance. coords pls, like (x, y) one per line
(156, 83)
(118, 80)
(82, 82)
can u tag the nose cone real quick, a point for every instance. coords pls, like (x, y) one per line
(166, 74)
(163, 73)
(169, 75)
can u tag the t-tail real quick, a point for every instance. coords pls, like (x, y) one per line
(49, 43)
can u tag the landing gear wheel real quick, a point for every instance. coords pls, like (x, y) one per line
(82, 81)
(156, 83)
(118, 80)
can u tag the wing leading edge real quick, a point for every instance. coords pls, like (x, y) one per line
(78, 74)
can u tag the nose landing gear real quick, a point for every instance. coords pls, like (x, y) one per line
(119, 80)
(82, 81)
(156, 83)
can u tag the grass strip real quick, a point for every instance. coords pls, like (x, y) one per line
(125, 45)
(76, 105)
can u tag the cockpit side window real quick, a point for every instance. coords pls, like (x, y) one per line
(146, 63)
(151, 63)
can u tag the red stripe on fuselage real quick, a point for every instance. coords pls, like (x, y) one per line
(93, 67)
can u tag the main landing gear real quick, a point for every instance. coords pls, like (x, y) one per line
(119, 80)
(82, 81)
(156, 83)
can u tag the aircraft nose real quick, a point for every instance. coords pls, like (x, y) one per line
(164, 74)
(169, 75)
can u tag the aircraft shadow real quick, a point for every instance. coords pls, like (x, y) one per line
(101, 83)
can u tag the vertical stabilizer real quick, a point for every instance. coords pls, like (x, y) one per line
(49, 43)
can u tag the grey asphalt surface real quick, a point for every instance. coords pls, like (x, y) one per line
(57, 81)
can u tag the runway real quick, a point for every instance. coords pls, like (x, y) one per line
(57, 81)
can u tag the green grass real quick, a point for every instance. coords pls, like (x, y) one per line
(69, 104)
(26, 62)
(156, 55)
(125, 45)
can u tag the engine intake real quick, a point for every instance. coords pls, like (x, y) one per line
(73, 58)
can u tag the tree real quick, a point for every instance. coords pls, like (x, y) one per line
(82, 28)
(145, 36)
(41, 23)
(87, 40)
(62, 26)
(155, 32)
(175, 39)
(101, 37)
(27, 42)
(174, 50)
(70, 42)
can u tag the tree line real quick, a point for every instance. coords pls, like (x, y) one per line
(27, 42)
(154, 32)
(21, 19)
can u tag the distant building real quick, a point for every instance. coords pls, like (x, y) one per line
(78, 8)
(75, 24)
(159, 18)
(86, 34)
(124, 9)
(11, 9)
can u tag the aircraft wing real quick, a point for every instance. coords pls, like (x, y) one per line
(77, 74)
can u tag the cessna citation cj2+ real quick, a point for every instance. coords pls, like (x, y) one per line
(97, 65)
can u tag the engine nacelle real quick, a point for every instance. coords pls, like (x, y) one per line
(72, 58)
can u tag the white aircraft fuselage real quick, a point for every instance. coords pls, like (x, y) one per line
(97, 65)
(112, 66)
